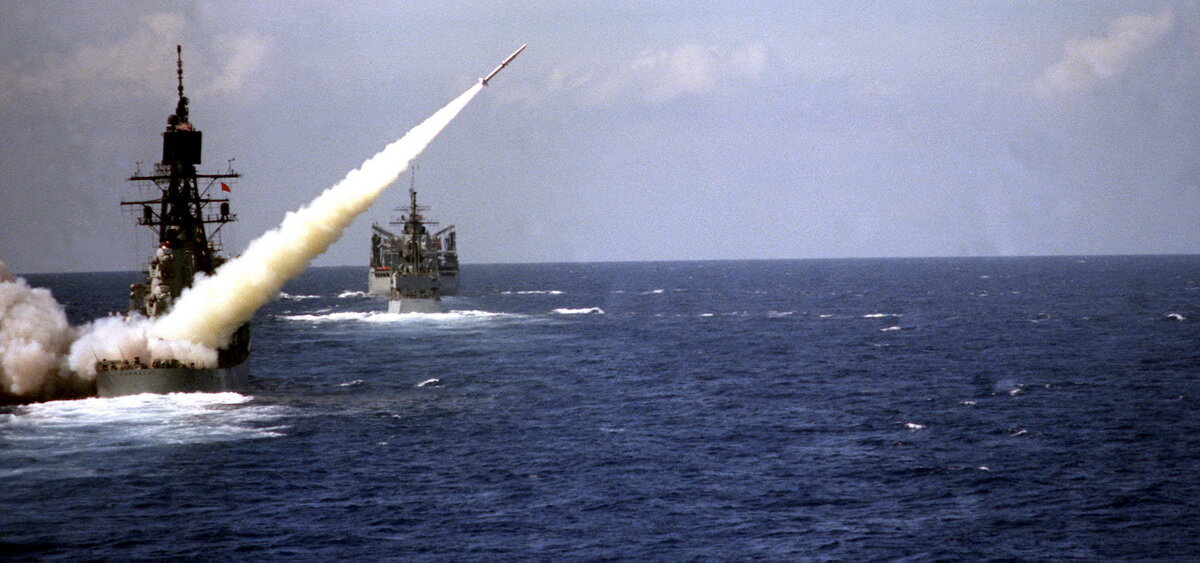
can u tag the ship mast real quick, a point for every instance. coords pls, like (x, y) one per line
(414, 257)
(178, 217)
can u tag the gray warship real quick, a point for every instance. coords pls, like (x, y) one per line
(415, 268)
(187, 224)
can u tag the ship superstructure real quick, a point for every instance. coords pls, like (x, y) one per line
(186, 221)
(415, 267)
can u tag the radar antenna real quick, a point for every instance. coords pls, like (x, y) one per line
(181, 108)
(179, 67)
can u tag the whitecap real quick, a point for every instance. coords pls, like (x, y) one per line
(90, 425)
(1009, 386)
(349, 293)
(326, 317)
(290, 297)
(890, 329)
(881, 315)
(533, 292)
(354, 383)
(914, 426)
(587, 311)
(384, 317)
(653, 292)
(448, 316)
(432, 382)
(1175, 317)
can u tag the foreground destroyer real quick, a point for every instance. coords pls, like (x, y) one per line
(186, 246)
(415, 268)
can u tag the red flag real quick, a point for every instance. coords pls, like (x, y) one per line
(225, 187)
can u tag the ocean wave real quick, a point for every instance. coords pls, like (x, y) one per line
(91, 425)
(1009, 386)
(881, 315)
(290, 297)
(890, 329)
(350, 293)
(533, 292)
(384, 317)
(587, 311)
(327, 317)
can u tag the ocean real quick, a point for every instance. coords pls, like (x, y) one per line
(1013, 408)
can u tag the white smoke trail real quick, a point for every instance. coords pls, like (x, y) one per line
(213, 308)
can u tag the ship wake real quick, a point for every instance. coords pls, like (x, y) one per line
(381, 317)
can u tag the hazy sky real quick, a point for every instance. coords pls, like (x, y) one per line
(627, 130)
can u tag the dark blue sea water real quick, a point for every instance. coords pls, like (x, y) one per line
(1025, 408)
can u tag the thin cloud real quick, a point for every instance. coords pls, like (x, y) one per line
(131, 66)
(1092, 60)
(660, 76)
(245, 54)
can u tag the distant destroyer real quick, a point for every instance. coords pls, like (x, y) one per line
(416, 267)
(180, 217)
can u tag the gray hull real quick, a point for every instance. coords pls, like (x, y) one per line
(414, 306)
(117, 383)
(449, 283)
(379, 283)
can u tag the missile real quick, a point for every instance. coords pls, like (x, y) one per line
(485, 79)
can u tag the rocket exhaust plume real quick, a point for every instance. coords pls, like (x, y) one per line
(213, 308)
